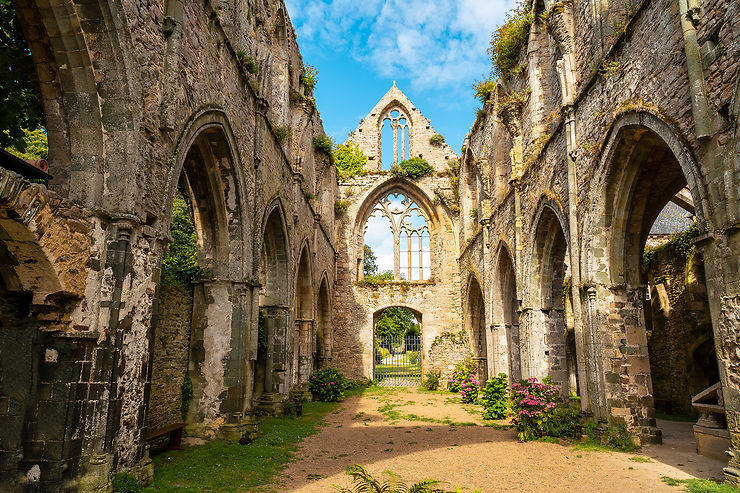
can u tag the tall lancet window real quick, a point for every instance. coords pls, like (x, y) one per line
(395, 139)
(397, 238)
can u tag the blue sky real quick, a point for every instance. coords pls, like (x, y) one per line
(433, 49)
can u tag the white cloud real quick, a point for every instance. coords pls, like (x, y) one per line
(434, 44)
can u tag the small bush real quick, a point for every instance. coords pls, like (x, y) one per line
(125, 482)
(565, 422)
(431, 380)
(412, 357)
(509, 40)
(469, 388)
(323, 143)
(357, 384)
(282, 134)
(463, 368)
(483, 89)
(415, 167)
(327, 385)
(532, 405)
(341, 206)
(495, 398)
(310, 77)
(349, 160)
(249, 63)
(436, 140)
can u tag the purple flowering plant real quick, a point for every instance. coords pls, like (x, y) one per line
(327, 385)
(532, 406)
(469, 388)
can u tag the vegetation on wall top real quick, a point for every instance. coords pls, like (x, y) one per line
(349, 160)
(310, 77)
(483, 89)
(682, 243)
(509, 40)
(323, 143)
(415, 167)
(436, 139)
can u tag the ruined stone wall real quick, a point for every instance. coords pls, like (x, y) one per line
(171, 356)
(446, 351)
(137, 95)
(636, 73)
(679, 329)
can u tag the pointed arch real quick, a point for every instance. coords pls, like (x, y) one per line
(324, 326)
(505, 312)
(475, 324)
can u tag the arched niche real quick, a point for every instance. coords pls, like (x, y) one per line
(304, 334)
(475, 324)
(505, 312)
(324, 327)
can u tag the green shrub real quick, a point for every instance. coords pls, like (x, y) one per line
(483, 89)
(436, 140)
(431, 380)
(349, 160)
(327, 385)
(282, 134)
(341, 206)
(415, 167)
(357, 384)
(36, 145)
(186, 389)
(509, 41)
(412, 357)
(249, 63)
(564, 422)
(180, 259)
(310, 77)
(125, 482)
(495, 397)
(323, 143)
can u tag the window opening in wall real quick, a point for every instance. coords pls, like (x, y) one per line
(397, 236)
(395, 140)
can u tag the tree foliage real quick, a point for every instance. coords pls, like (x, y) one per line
(349, 160)
(370, 267)
(396, 321)
(36, 145)
(19, 99)
(180, 261)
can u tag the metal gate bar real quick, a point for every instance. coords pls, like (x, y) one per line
(398, 361)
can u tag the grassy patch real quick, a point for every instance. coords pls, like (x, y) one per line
(640, 458)
(699, 485)
(220, 465)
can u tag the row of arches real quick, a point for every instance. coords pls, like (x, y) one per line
(523, 320)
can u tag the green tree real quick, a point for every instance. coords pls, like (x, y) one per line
(349, 160)
(396, 321)
(370, 267)
(18, 89)
(36, 145)
(180, 262)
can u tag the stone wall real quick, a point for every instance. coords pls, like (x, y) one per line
(680, 339)
(171, 356)
(446, 351)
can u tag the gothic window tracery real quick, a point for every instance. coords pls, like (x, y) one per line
(409, 227)
(396, 129)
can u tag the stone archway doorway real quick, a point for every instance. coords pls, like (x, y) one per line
(397, 347)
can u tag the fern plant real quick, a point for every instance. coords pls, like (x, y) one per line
(364, 482)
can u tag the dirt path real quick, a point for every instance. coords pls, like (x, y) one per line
(421, 435)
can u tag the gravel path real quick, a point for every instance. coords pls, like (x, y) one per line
(421, 435)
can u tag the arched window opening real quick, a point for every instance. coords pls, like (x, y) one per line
(475, 318)
(395, 139)
(405, 252)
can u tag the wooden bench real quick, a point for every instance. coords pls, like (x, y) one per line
(173, 430)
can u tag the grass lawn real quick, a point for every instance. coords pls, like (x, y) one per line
(227, 466)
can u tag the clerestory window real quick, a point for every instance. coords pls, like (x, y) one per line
(397, 239)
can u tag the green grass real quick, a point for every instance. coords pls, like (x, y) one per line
(227, 466)
(699, 485)
(640, 458)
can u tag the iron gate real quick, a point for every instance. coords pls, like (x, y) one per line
(398, 361)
